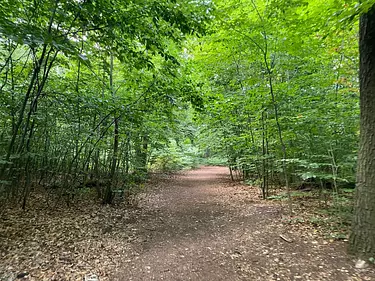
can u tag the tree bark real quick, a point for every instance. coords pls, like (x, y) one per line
(108, 196)
(362, 239)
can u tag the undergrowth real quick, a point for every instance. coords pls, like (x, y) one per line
(328, 213)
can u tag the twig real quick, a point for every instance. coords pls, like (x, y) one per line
(286, 238)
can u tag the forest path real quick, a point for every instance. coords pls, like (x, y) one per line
(200, 226)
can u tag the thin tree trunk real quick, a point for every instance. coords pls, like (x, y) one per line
(283, 147)
(264, 179)
(108, 192)
(267, 159)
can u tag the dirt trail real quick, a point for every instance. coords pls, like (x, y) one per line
(200, 226)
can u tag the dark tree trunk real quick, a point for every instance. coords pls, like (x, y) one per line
(143, 155)
(362, 239)
(108, 194)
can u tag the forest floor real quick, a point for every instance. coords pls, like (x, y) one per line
(197, 225)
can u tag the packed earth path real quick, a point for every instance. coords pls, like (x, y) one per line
(196, 225)
(202, 226)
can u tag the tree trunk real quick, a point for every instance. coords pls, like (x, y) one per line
(362, 239)
(264, 178)
(108, 196)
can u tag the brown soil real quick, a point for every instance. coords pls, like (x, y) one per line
(196, 226)
(200, 226)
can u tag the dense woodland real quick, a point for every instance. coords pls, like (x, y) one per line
(96, 94)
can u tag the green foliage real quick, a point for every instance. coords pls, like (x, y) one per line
(274, 71)
(214, 161)
(92, 88)
(112, 88)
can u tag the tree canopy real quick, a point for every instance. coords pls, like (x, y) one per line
(99, 93)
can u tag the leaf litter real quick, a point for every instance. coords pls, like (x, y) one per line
(196, 226)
